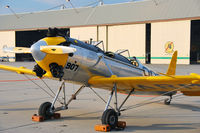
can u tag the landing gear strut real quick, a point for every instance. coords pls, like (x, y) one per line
(47, 109)
(110, 115)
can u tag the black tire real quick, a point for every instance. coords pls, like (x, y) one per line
(44, 110)
(110, 117)
(167, 101)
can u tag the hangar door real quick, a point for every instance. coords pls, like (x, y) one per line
(148, 44)
(195, 42)
(27, 38)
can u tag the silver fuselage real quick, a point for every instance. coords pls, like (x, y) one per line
(89, 64)
(86, 63)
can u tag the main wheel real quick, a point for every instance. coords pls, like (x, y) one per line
(110, 117)
(44, 110)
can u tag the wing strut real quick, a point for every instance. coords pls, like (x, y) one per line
(150, 101)
(126, 98)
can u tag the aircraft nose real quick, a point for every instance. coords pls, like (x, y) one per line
(35, 50)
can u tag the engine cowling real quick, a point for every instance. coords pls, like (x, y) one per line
(45, 60)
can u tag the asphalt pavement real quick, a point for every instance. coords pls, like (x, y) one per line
(21, 98)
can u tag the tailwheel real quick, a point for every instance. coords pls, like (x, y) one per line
(110, 118)
(44, 110)
(167, 101)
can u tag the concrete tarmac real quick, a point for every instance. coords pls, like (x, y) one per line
(21, 98)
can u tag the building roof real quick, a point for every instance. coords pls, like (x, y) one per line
(124, 13)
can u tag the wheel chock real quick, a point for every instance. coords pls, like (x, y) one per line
(102, 128)
(37, 118)
(56, 116)
(121, 124)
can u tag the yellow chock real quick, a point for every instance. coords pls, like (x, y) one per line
(102, 128)
(37, 118)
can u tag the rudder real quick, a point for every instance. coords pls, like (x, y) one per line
(172, 66)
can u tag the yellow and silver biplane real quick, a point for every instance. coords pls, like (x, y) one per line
(66, 59)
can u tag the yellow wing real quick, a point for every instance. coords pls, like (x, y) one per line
(149, 83)
(21, 70)
(188, 84)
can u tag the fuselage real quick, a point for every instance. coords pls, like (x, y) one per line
(87, 61)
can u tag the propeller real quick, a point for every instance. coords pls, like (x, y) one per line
(57, 49)
(49, 53)
(16, 50)
(46, 49)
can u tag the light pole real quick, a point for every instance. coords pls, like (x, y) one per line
(100, 2)
(72, 6)
(12, 11)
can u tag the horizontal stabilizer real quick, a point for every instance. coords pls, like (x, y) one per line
(57, 49)
(16, 50)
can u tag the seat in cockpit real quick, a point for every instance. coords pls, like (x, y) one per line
(110, 54)
(134, 61)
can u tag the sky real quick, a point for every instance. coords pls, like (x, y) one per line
(21, 6)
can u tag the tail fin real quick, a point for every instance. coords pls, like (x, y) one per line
(172, 66)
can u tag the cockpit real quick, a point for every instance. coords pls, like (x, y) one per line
(119, 55)
(99, 48)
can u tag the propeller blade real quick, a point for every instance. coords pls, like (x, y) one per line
(57, 49)
(16, 50)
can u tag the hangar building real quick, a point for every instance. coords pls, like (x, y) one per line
(150, 30)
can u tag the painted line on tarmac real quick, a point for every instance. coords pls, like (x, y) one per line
(19, 80)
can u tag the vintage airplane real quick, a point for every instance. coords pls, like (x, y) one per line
(66, 59)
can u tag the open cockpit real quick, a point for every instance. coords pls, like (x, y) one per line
(95, 46)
